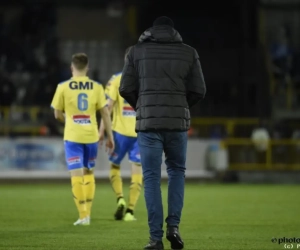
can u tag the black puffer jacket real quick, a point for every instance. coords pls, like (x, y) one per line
(161, 80)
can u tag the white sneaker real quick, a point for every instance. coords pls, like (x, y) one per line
(82, 222)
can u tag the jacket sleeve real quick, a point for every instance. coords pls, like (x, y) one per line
(129, 81)
(196, 87)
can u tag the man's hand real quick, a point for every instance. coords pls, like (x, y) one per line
(110, 145)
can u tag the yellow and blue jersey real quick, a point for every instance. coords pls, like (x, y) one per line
(124, 116)
(79, 98)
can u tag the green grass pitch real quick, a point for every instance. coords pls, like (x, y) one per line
(215, 217)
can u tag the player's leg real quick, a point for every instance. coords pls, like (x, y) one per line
(74, 159)
(136, 180)
(115, 173)
(90, 155)
(89, 188)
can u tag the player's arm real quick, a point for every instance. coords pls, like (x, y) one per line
(129, 81)
(111, 92)
(106, 120)
(110, 105)
(59, 115)
(58, 104)
(106, 117)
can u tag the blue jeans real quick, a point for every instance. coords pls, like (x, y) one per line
(152, 145)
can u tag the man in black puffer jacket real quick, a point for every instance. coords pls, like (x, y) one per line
(162, 79)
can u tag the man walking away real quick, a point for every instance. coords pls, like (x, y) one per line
(162, 78)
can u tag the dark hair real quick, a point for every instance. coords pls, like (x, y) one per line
(163, 20)
(80, 61)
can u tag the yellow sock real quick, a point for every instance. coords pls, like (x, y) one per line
(79, 195)
(89, 188)
(116, 180)
(135, 190)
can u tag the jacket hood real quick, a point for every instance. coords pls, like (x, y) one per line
(161, 34)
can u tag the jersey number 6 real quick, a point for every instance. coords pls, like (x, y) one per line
(82, 102)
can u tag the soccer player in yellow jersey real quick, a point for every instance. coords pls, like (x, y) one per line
(125, 137)
(75, 102)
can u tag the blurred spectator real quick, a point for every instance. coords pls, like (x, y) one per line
(65, 72)
(281, 130)
(53, 127)
(296, 137)
(44, 93)
(280, 151)
(2, 26)
(29, 54)
(217, 132)
(296, 134)
(282, 55)
(261, 137)
(296, 73)
(7, 91)
(95, 76)
(296, 146)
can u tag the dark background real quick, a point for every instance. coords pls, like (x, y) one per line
(233, 38)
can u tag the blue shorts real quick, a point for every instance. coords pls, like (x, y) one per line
(80, 155)
(125, 144)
